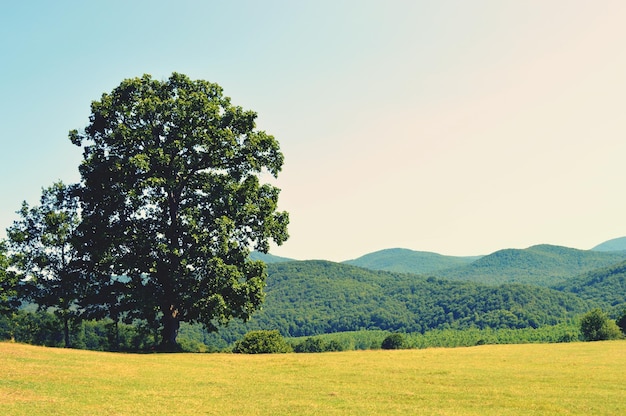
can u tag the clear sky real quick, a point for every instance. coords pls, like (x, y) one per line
(459, 127)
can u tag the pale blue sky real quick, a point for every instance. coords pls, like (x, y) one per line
(459, 127)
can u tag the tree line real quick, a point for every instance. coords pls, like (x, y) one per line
(308, 299)
(42, 328)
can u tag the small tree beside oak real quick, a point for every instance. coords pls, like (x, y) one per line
(45, 258)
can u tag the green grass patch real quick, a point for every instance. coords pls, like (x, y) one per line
(531, 379)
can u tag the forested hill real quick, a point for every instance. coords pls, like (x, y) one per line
(315, 297)
(606, 286)
(616, 244)
(408, 261)
(543, 265)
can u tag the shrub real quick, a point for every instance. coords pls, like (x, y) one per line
(595, 325)
(568, 337)
(262, 342)
(192, 345)
(334, 345)
(393, 342)
(311, 345)
(318, 344)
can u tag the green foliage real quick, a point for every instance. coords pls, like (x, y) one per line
(317, 344)
(563, 332)
(316, 297)
(187, 345)
(621, 322)
(171, 198)
(347, 341)
(36, 328)
(313, 298)
(8, 284)
(262, 342)
(543, 265)
(568, 331)
(44, 254)
(393, 341)
(329, 306)
(310, 345)
(605, 286)
(595, 325)
(44, 328)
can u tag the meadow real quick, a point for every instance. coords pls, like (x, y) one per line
(530, 379)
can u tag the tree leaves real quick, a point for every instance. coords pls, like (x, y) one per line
(170, 182)
(44, 254)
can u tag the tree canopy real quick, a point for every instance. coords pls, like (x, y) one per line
(172, 199)
(45, 257)
(8, 284)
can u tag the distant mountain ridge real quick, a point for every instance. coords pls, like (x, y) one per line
(403, 260)
(543, 265)
(616, 244)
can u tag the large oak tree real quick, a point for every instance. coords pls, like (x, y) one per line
(172, 199)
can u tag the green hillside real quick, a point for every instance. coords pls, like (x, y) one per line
(408, 261)
(543, 265)
(606, 286)
(616, 244)
(305, 298)
(315, 297)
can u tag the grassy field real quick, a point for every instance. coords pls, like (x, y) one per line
(531, 379)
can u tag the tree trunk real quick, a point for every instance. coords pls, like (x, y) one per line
(117, 335)
(115, 342)
(66, 332)
(171, 318)
(171, 324)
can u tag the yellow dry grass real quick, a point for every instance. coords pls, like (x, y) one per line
(532, 379)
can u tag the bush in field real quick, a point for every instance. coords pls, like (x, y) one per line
(393, 342)
(262, 342)
(595, 325)
(568, 337)
(311, 345)
(334, 346)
